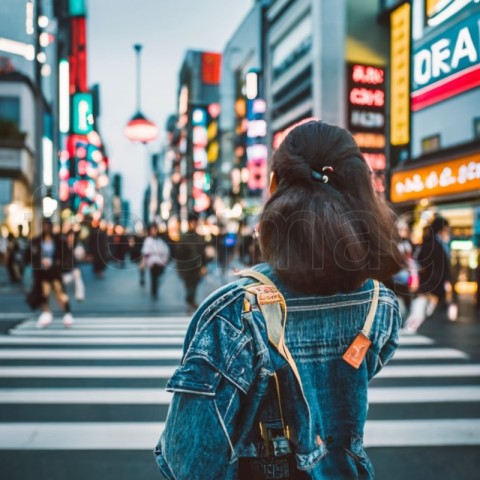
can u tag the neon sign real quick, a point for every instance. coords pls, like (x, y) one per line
(367, 75)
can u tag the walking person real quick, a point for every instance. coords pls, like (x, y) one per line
(156, 255)
(46, 253)
(191, 261)
(98, 247)
(73, 252)
(435, 277)
(405, 282)
(273, 380)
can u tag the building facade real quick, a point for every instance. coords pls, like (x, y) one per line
(193, 136)
(28, 80)
(437, 155)
(327, 60)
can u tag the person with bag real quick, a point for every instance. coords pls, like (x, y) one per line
(435, 276)
(156, 255)
(46, 254)
(73, 253)
(191, 260)
(275, 369)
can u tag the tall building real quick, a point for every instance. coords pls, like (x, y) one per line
(326, 59)
(195, 146)
(28, 78)
(435, 120)
(83, 169)
(243, 128)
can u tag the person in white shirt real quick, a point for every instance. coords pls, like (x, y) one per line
(156, 255)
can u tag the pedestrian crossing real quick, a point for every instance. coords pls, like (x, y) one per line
(100, 385)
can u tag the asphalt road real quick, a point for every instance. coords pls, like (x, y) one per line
(89, 402)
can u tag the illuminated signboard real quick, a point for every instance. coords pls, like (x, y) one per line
(78, 57)
(445, 178)
(447, 64)
(438, 11)
(82, 107)
(366, 115)
(211, 68)
(76, 8)
(400, 76)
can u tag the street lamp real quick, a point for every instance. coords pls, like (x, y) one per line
(139, 128)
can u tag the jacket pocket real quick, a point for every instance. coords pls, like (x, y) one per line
(162, 464)
(196, 375)
(359, 456)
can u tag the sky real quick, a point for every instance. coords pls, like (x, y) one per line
(166, 29)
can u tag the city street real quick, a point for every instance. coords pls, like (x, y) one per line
(89, 402)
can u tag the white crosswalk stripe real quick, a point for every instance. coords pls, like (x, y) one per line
(107, 362)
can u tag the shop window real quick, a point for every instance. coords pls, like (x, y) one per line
(431, 144)
(476, 128)
(6, 190)
(10, 109)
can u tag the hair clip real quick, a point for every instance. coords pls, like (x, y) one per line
(321, 177)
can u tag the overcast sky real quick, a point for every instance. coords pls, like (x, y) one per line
(166, 28)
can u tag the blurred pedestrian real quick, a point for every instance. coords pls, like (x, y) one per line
(46, 253)
(98, 248)
(136, 245)
(225, 243)
(72, 254)
(405, 282)
(191, 260)
(435, 277)
(14, 259)
(119, 246)
(275, 371)
(156, 256)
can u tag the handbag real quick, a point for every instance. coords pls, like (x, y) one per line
(35, 297)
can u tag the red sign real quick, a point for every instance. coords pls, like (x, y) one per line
(78, 58)
(211, 68)
(367, 75)
(367, 97)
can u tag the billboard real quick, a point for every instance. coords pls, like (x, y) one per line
(457, 176)
(366, 115)
(400, 76)
(446, 64)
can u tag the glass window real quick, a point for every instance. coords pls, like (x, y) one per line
(476, 127)
(431, 144)
(10, 109)
(294, 45)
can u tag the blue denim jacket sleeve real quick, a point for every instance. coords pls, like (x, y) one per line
(197, 440)
(390, 345)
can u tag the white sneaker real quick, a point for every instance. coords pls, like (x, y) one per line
(68, 320)
(44, 320)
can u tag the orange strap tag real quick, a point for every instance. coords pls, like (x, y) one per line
(357, 350)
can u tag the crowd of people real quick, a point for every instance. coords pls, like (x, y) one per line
(423, 284)
(56, 254)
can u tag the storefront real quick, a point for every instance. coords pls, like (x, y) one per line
(450, 188)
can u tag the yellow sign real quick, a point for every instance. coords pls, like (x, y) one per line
(370, 140)
(400, 76)
(431, 7)
(446, 178)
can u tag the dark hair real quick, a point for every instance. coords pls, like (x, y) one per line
(324, 230)
(438, 224)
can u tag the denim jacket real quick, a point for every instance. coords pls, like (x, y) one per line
(226, 368)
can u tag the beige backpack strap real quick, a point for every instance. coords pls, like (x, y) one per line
(274, 309)
(359, 347)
